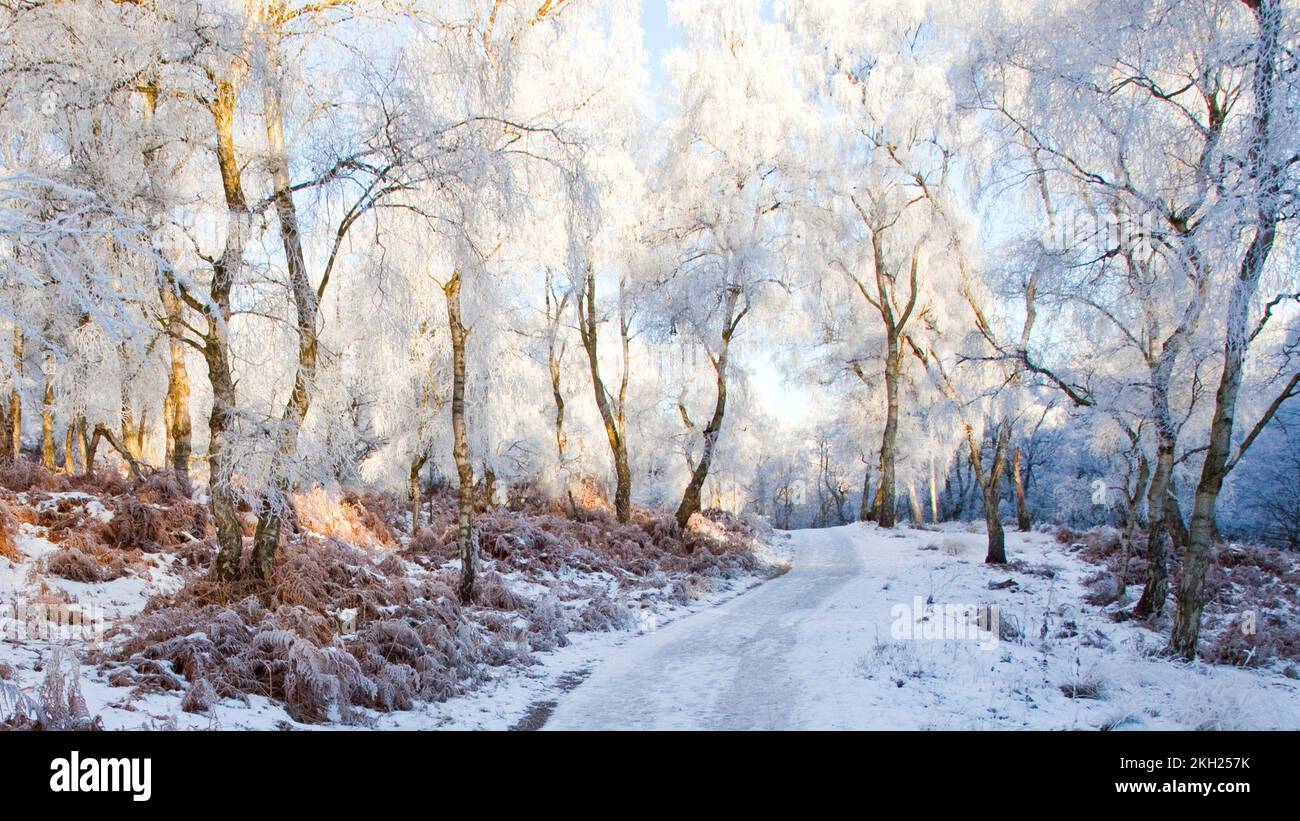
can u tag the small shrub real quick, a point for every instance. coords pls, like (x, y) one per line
(1273, 638)
(59, 705)
(21, 474)
(8, 534)
(85, 561)
(1101, 589)
(1084, 687)
(1066, 536)
(200, 698)
(134, 526)
(160, 488)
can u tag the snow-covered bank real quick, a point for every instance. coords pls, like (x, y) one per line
(821, 648)
(364, 632)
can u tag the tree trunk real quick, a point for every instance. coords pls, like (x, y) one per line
(990, 483)
(690, 503)
(15, 431)
(47, 425)
(306, 302)
(6, 453)
(934, 493)
(460, 445)
(997, 540)
(886, 514)
(69, 466)
(561, 439)
(914, 502)
(82, 444)
(1156, 589)
(417, 464)
(615, 429)
(221, 490)
(864, 505)
(1196, 552)
(1023, 520)
(877, 502)
(555, 362)
(102, 432)
(176, 404)
(1134, 503)
(997, 553)
(216, 349)
(133, 432)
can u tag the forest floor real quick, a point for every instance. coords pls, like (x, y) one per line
(582, 622)
(109, 616)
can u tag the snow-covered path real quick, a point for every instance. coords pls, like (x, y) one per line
(814, 649)
(738, 666)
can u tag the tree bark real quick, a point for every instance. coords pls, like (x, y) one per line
(555, 362)
(47, 422)
(914, 502)
(460, 445)
(102, 432)
(1267, 179)
(15, 431)
(615, 427)
(83, 447)
(934, 493)
(864, 504)
(1133, 503)
(1024, 521)
(417, 465)
(731, 317)
(176, 404)
(306, 303)
(1156, 589)
(6, 446)
(894, 318)
(997, 539)
(216, 344)
(886, 514)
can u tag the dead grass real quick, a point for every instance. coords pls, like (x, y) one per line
(1241, 579)
(134, 525)
(21, 474)
(412, 641)
(8, 533)
(1085, 686)
(81, 558)
(357, 617)
(59, 705)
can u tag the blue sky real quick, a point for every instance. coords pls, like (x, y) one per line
(660, 36)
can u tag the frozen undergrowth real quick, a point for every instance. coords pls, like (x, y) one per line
(347, 631)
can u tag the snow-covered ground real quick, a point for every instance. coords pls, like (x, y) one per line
(817, 649)
(838, 642)
(510, 696)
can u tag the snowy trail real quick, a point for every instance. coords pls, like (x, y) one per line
(733, 667)
(814, 649)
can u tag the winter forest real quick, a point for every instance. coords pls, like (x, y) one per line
(373, 347)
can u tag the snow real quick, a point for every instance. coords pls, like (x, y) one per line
(814, 649)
